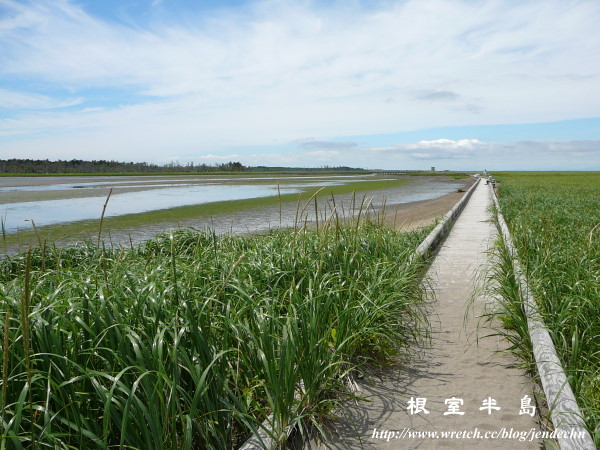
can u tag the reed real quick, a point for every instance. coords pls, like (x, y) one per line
(5, 360)
(553, 219)
(193, 340)
(3, 228)
(102, 215)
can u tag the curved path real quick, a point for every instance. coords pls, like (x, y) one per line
(462, 372)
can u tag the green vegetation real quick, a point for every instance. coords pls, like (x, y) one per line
(88, 228)
(193, 340)
(554, 219)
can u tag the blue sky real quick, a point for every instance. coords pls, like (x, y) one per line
(409, 84)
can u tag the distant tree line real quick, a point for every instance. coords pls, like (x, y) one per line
(79, 166)
(74, 166)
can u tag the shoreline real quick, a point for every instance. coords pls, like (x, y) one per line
(412, 215)
(260, 217)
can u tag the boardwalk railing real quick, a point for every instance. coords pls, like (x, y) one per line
(263, 437)
(564, 411)
(443, 228)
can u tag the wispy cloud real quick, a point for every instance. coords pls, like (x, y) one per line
(438, 149)
(567, 148)
(518, 154)
(459, 154)
(313, 143)
(275, 70)
(437, 96)
(22, 100)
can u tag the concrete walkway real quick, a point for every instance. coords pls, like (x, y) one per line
(461, 368)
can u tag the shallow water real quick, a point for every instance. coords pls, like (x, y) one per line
(161, 194)
(154, 193)
(33, 184)
(49, 212)
(292, 214)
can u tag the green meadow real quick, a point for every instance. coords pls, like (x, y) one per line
(554, 219)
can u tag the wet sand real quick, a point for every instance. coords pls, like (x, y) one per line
(408, 216)
(34, 189)
(403, 215)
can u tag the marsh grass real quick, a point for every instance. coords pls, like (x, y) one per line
(3, 227)
(194, 340)
(505, 314)
(553, 219)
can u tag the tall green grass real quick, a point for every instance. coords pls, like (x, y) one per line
(193, 340)
(554, 221)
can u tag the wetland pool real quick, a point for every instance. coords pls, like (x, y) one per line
(84, 200)
(64, 204)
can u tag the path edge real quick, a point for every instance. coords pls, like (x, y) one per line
(443, 228)
(564, 410)
(262, 439)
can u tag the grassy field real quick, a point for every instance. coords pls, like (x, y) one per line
(554, 219)
(193, 340)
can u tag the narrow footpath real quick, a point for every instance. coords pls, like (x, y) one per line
(462, 383)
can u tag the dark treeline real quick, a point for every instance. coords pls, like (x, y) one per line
(78, 166)
(45, 166)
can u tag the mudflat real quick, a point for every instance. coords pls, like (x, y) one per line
(408, 216)
(244, 216)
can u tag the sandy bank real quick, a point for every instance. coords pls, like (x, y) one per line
(408, 216)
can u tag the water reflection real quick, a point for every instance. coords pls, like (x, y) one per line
(49, 212)
(293, 214)
(163, 193)
(50, 184)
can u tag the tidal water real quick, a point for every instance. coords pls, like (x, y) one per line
(136, 196)
(83, 198)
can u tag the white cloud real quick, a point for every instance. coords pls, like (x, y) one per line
(313, 143)
(279, 70)
(464, 153)
(438, 149)
(10, 99)
(437, 96)
(579, 148)
(96, 109)
(461, 154)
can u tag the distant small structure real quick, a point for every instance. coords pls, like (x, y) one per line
(433, 168)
